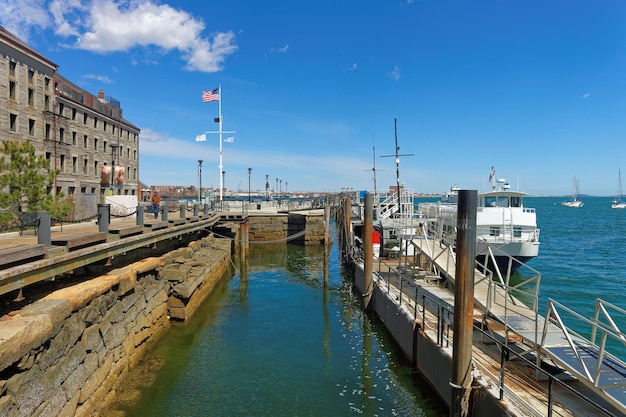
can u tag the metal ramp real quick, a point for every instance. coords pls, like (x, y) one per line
(585, 358)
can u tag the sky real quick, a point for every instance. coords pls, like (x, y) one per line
(317, 93)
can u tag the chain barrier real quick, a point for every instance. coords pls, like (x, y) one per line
(121, 216)
(21, 225)
(59, 220)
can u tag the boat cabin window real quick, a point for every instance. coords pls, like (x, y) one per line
(517, 232)
(516, 202)
(494, 231)
(490, 202)
(503, 201)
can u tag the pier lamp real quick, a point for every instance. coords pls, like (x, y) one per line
(224, 180)
(200, 181)
(280, 189)
(267, 187)
(114, 147)
(249, 173)
(286, 189)
(276, 189)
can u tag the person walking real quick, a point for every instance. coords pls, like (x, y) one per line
(156, 201)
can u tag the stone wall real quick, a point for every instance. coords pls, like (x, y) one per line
(65, 354)
(299, 228)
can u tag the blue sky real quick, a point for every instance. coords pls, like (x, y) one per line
(535, 88)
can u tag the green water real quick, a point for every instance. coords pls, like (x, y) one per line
(271, 341)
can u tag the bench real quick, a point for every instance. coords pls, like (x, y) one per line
(81, 240)
(28, 220)
(127, 231)
(17, 255)
(156, 225)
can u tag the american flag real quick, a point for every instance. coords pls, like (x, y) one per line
(212, 95)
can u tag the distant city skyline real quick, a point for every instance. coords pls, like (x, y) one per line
(533, 88)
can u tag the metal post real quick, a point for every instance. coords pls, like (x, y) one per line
(249, 173)
(43, 228)
(183, 210)
(463, 304)
(103, 217)
(205, 208)
(368, 249)
(164, 212)
(195, 210)
(139, 215)
(200, 180)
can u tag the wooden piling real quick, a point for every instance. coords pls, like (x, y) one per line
(463, 304)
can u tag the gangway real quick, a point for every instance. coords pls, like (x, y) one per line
(582, 357)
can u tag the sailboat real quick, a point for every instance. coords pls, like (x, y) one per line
(574, 202)
(618, 203)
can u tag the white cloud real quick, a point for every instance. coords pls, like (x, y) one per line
(395, 74)
(104, 26)
(352, 67)
(101, 78)
(586, 95)
(22, 16)
(283, 49)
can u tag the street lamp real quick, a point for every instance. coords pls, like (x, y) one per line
(200, 181)
(276, 189)
(249, 173)
(280, 189)
(267, 187)
(114, 147)
(286, 188)
(223, 185)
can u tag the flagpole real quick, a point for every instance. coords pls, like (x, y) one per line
(220, 129)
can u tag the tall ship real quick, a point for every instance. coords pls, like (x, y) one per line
(506, 231)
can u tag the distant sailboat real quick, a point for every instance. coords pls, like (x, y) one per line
(618, 203)
(574, 202)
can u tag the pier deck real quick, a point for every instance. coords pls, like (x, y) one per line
(602, 373)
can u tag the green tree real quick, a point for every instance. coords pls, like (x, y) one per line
(25, 179)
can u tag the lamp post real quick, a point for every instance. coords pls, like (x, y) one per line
(276, 189)
(280, 189)
(249, 173)
(223, 185)
(114, 147)
(267, 187)
(200, 181)
(286, 188)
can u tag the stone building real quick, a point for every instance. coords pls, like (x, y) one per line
(78, 132)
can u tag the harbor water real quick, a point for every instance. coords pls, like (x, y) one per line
(272, 341)
(582, 257)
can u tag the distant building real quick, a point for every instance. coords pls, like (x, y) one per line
(78, 132)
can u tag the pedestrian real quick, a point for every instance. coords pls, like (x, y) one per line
(156, 201)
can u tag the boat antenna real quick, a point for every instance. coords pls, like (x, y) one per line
(374, 168)
(397, 156)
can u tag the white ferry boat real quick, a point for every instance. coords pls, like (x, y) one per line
(503, 224)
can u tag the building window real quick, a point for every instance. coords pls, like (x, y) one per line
(84, 118)
(12, 68)
(83, 190)
(61, 109)
(85, 167)
(61, 135)
(85, 141)
(74, 138)
(95, 168)
(104, 146)
(13, 122)
(12, 88)
(74, 163)
(70, 190)
(46, 82)
(31, 76)
(46, 102)
(95, 122)
(135, 154)
(31, 97)
(48, 155)
(104, 126)
(62, 162)
(73, 113)
(31, 127)
(47, 132)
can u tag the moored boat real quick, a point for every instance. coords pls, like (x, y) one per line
(504, 226)
(618, 203)
(574, 202)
